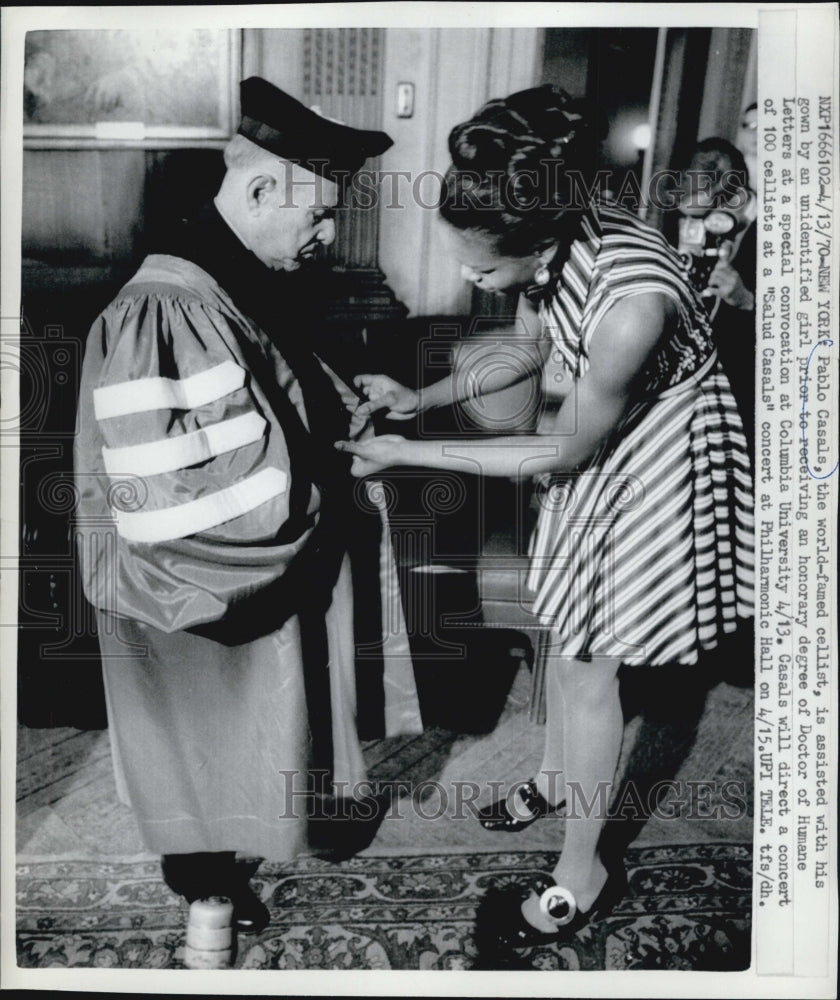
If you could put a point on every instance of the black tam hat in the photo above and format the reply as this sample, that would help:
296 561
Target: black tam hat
285 127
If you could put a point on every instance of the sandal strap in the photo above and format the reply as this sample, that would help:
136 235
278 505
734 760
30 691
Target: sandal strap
536 803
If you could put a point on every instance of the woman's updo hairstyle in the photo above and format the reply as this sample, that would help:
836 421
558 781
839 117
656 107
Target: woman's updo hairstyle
520 165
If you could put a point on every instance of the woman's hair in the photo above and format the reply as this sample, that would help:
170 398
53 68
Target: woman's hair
520 165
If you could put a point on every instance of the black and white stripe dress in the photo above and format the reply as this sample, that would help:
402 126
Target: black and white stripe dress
646 553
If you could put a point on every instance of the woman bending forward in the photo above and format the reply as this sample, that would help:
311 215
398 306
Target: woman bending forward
642 553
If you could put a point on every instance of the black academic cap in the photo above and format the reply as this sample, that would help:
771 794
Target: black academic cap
282 125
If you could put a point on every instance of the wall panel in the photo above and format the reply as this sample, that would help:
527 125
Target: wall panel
454 72
82 206
729 83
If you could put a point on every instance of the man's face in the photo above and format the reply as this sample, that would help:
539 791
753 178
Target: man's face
702 188
294 218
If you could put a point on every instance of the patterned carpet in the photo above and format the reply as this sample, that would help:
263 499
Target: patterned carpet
688 907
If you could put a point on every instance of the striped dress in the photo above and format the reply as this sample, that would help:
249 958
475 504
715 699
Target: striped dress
646 553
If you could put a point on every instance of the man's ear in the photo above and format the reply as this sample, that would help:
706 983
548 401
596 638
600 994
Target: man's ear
258 192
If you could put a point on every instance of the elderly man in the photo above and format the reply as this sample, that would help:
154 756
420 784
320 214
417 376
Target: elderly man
219 531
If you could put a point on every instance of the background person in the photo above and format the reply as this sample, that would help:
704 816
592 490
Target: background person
717 186
746 142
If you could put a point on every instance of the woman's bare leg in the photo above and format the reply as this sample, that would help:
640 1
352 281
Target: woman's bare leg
550 779
591 727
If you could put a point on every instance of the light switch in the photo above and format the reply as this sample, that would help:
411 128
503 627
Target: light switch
405 100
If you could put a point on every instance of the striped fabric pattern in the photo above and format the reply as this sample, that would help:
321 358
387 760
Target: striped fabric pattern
647 554
619 256
142 395
169 454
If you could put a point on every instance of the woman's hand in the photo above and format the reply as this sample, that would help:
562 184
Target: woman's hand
383 393
373 455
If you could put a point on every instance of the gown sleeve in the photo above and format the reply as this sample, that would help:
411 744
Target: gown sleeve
188 501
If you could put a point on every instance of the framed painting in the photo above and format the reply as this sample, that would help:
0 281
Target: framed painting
149 87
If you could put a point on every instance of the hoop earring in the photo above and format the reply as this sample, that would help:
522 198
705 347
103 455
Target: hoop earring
542 275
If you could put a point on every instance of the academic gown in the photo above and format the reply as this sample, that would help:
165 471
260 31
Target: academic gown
221 540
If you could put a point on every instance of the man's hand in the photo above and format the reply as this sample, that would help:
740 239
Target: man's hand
726 284
385 393
373 455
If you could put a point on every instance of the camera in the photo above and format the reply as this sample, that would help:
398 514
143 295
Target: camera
701 239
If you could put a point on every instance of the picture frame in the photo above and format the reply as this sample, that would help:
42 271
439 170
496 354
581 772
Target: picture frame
150 88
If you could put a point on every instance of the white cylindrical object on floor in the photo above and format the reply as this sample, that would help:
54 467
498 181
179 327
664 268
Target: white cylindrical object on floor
194 959
208 938
209 943
214 911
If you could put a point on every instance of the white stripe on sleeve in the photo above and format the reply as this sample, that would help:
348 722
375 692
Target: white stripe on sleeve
173 453
156 393
199 515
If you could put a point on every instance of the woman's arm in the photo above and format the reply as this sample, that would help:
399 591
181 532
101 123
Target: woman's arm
619 350
529 355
